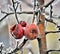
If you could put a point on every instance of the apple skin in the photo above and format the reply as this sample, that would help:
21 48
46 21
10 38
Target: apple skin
12 28
23 23
17 31
31 31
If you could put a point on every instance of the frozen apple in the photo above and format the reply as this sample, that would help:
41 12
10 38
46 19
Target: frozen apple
31 31
23 23
17 31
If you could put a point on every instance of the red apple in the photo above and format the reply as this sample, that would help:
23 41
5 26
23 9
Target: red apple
31 31
12 28
23 23
17 31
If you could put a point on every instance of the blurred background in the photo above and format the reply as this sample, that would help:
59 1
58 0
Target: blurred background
27 5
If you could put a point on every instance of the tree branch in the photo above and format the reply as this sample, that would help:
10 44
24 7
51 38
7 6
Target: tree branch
15 11
7 14
20 47
4 17
23 12
17 6
51 21
51 51
4 12
23 43
26 12
52 32
20 7
49 3
16 2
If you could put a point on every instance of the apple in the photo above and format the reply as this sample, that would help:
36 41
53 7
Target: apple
31 31
12 28
23 23
17 31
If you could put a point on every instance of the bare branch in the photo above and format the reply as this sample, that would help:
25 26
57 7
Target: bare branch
23 12
4 12
52 32
34 12
52 51
49 3
23 43
20 7
7 14
17 6
15 11
49 20
20 47
16 2
4 17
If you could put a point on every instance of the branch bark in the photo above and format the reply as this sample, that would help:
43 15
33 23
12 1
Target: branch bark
49 3
7 14
51 21
20 47
52 51
23 12
52 32
15 11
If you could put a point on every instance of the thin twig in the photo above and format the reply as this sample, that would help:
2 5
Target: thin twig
4 12
15 11
23 12
4 17
20 7
26 12
34 7
17 6
23 43
49 3
16 2
1 48
7 14
51 21
51 12
52 51
52 32
20 47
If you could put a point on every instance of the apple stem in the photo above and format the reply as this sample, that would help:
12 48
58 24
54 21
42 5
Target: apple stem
15 9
